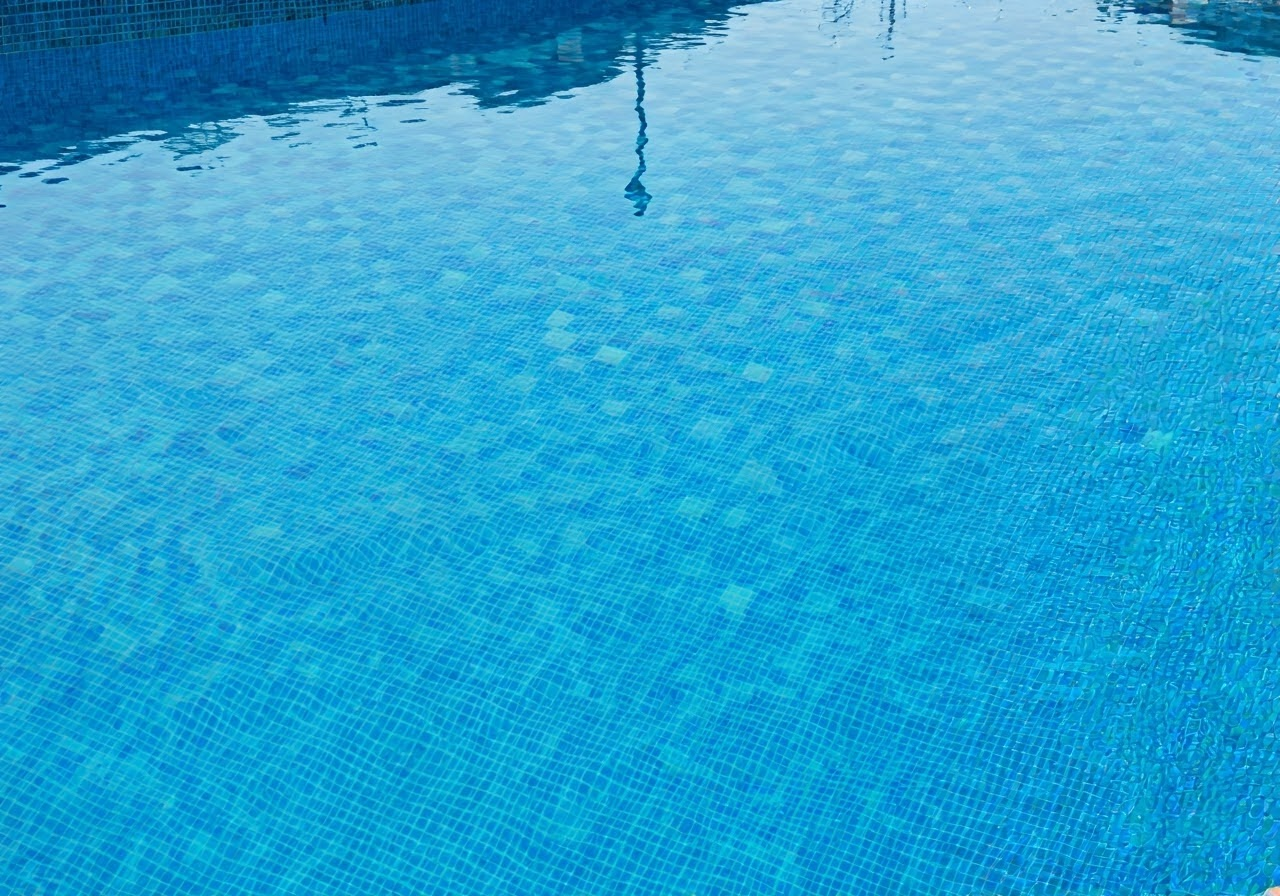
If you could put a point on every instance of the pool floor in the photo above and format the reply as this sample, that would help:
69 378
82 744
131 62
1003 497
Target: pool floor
788 449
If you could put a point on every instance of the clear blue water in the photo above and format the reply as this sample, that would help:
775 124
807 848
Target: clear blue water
891 507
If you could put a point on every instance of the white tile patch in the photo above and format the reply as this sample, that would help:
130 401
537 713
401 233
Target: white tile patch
569 362
161 283
757 373
711 428
453 278
560 340
610 355
21 565
759 476
559 320
615 408
239 279
735 599
571 284
694 508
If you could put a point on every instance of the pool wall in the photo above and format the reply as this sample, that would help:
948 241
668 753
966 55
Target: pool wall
49 24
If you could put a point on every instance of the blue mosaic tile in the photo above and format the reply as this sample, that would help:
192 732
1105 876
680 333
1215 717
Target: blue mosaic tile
32 25
891 507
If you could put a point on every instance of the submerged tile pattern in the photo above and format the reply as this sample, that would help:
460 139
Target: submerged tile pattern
892 508
29 25
73 103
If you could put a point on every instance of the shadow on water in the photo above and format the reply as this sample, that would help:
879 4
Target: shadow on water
1248 27
836 16
68 105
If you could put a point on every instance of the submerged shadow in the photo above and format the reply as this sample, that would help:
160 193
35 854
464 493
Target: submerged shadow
1248 27
70 104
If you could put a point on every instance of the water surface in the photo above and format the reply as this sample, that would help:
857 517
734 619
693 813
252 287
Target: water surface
781 449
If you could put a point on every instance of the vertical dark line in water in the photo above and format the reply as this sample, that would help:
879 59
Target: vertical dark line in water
635 191
893 18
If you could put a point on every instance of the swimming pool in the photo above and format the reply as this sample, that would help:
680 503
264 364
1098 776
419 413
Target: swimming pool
655 448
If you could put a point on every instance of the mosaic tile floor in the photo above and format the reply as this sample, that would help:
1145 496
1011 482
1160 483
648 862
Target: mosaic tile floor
890 508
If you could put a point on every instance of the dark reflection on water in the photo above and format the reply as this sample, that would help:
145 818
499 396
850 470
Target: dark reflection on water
1250 27
836 15
635 191
67 105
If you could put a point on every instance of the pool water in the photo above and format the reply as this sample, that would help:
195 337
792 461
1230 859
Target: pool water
648 449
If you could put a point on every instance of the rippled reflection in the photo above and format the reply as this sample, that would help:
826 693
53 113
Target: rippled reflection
635 191
65 105
1251 27
837 15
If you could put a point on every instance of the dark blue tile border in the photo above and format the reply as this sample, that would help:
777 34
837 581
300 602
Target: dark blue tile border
27 25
